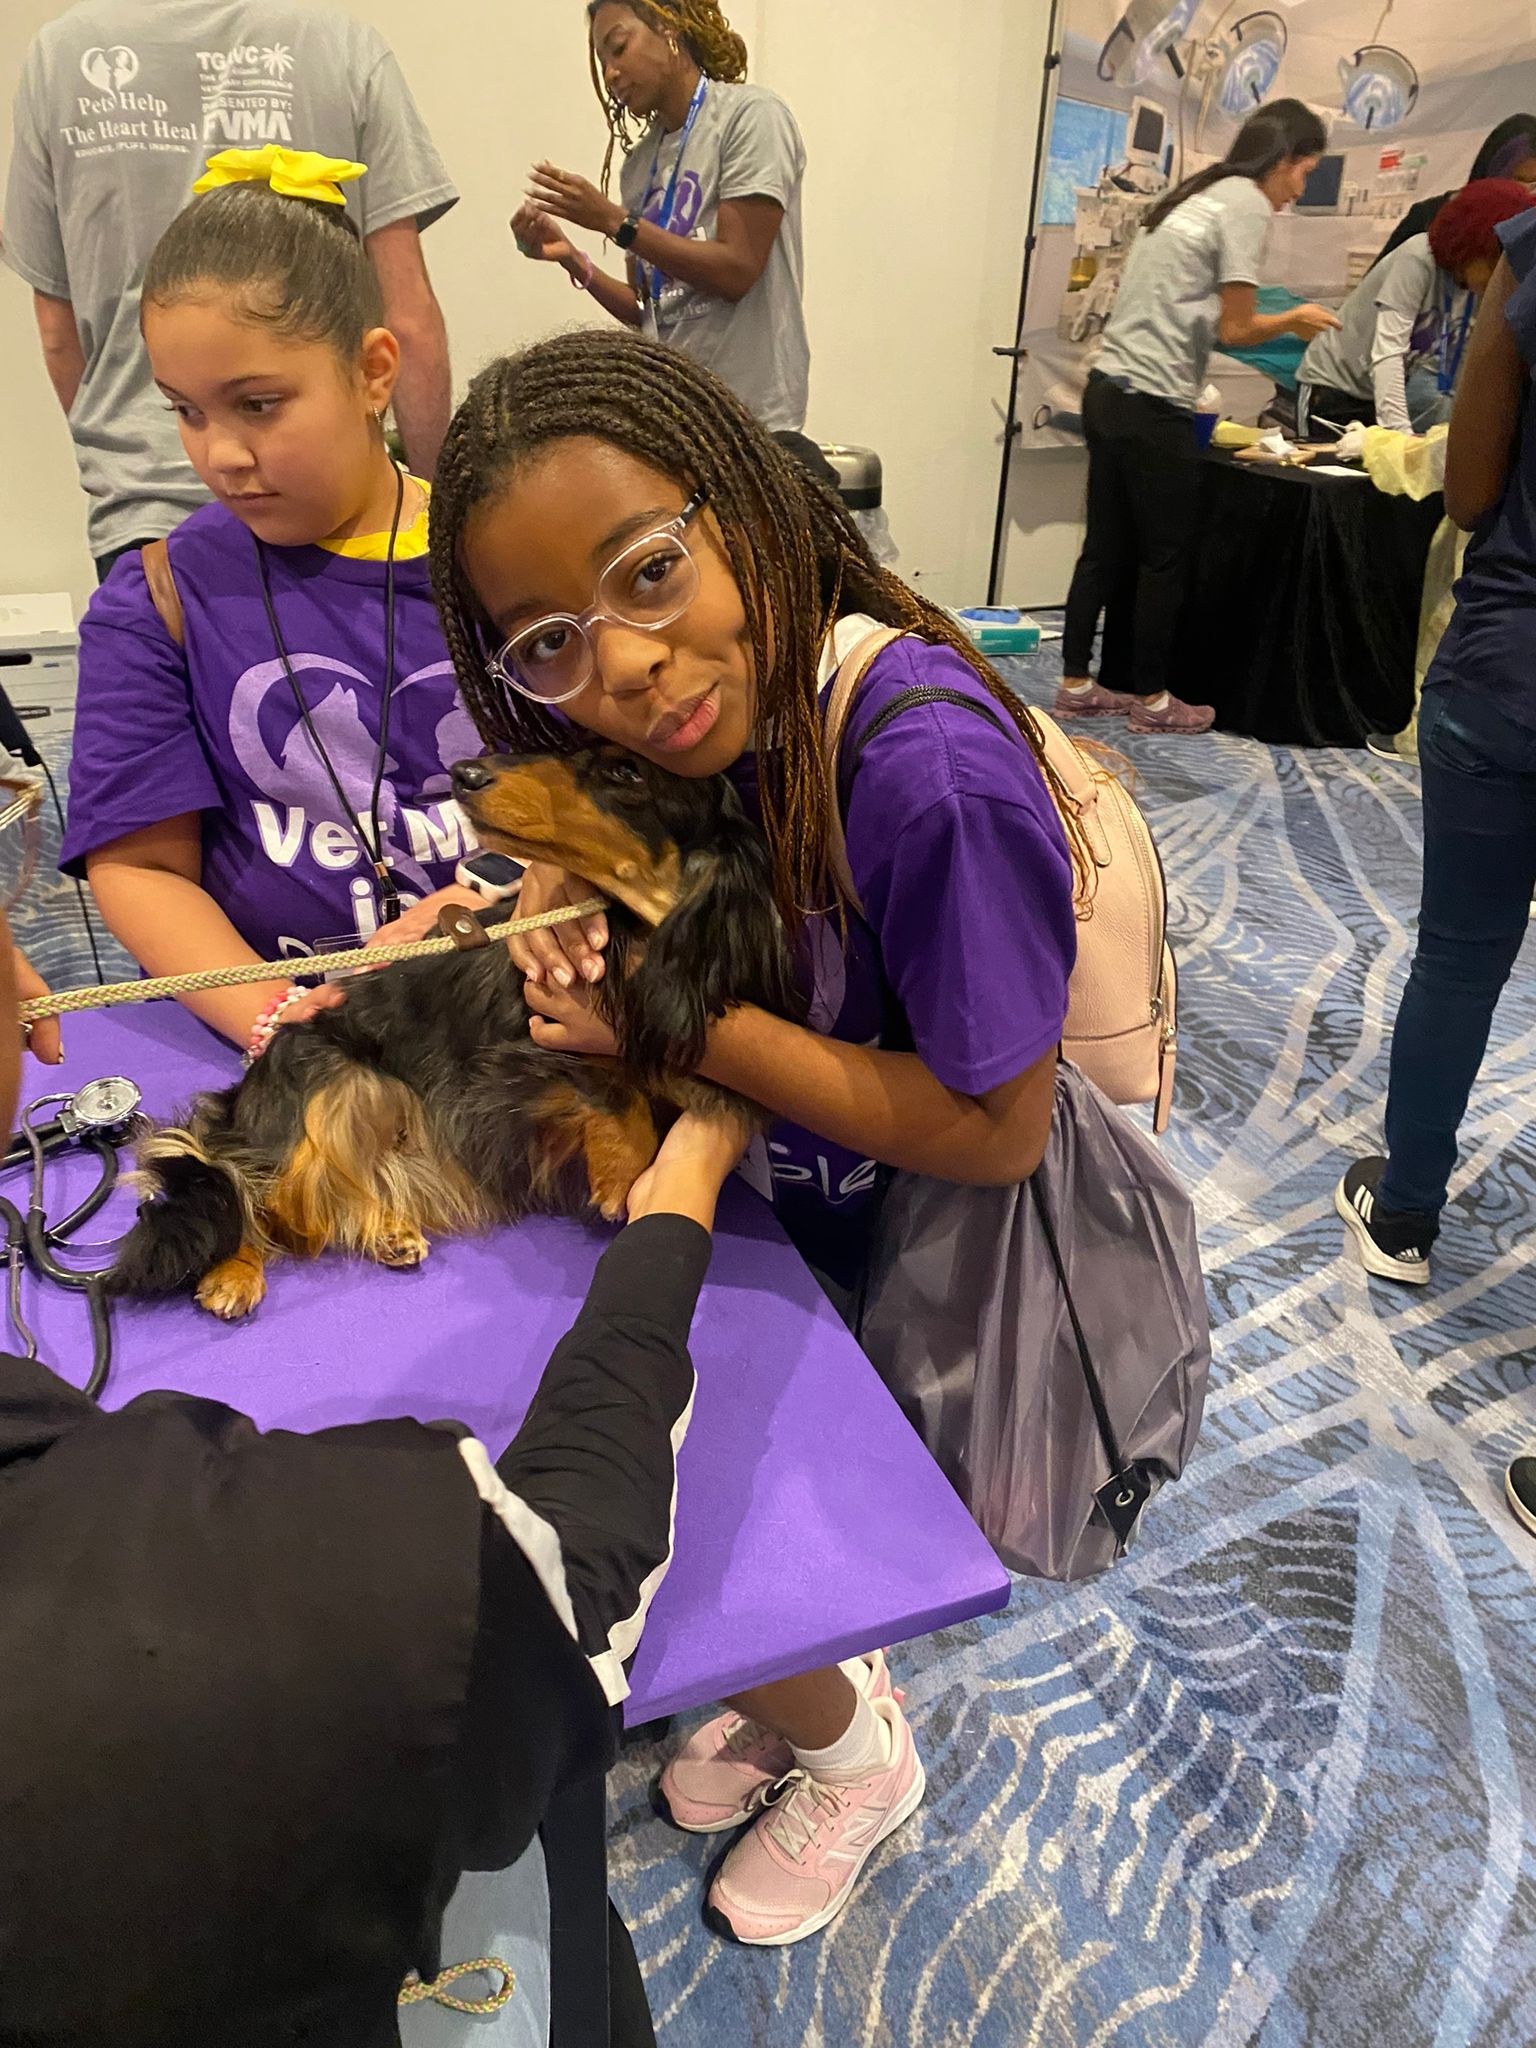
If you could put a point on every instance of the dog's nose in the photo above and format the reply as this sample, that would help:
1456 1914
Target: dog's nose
471 775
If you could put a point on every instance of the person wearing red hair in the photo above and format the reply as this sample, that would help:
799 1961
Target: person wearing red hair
1413 309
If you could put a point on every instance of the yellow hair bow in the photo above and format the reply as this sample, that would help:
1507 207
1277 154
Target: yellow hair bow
293 173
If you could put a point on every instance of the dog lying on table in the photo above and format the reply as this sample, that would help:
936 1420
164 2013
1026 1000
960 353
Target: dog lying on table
422 1107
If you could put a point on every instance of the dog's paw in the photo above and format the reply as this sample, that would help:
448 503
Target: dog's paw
233 1288
612 1201
399 1248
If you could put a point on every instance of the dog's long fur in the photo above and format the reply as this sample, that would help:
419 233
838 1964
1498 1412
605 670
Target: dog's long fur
422 1106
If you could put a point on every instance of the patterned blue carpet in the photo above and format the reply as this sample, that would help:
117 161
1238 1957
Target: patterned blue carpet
1272 1781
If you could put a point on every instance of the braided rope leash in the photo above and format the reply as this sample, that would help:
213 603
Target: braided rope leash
66 1001
414 1992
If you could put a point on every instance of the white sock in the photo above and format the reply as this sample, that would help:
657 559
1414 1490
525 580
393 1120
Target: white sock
860 1674
1158 703
1078 689
867 1747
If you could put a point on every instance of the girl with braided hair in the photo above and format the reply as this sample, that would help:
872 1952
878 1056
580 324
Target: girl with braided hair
709 217
618 548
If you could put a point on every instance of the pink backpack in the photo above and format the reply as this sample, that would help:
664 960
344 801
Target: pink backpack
1122 1012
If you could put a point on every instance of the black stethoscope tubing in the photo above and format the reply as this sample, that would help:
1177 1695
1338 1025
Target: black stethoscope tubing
386 894
31 1240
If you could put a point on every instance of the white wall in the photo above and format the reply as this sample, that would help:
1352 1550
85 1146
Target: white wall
920 134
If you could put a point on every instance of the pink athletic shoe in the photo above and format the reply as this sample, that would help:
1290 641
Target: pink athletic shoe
719 1777
794 1869
1175 716
1094 702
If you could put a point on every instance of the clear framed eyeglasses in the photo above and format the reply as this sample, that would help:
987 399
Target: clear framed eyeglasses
21 831
648 584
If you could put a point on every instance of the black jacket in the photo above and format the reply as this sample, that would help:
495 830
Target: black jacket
267 1696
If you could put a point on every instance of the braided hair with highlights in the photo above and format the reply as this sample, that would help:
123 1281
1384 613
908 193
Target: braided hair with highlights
798 559
704 33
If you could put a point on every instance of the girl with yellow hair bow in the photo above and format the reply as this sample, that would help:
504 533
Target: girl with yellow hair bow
267 712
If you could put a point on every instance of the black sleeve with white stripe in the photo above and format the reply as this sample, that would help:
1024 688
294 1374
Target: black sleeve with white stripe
588 1485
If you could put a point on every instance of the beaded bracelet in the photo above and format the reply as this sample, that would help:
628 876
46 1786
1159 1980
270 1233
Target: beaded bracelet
264 1030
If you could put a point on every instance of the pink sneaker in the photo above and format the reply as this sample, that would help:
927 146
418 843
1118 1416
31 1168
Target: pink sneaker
1175 716
1094 702
719 1777
794 1870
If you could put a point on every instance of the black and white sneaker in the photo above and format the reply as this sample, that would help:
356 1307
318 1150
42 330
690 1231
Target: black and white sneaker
1393 1244
1520 1490
1384 746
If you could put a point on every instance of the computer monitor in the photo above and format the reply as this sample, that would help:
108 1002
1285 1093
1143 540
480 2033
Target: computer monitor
1146 135
1321 192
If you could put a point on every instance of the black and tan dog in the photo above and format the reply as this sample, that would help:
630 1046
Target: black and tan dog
422 1107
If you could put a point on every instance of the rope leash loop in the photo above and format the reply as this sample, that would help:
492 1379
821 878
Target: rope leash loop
414 1992
65 1002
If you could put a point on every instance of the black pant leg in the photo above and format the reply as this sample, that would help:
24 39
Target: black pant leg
629 2014
1163 470
1108 543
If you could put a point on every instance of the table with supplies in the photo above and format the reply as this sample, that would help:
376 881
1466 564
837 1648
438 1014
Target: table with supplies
1301 620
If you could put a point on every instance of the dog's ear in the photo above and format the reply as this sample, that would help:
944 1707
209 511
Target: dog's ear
722 944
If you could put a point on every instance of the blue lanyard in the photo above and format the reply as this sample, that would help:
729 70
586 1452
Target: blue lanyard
652 278
1450 361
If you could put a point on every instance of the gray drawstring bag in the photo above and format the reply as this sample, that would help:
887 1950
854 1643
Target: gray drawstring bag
1048 1342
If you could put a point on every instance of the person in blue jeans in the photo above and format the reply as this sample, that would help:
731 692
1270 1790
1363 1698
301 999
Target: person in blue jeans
1477 748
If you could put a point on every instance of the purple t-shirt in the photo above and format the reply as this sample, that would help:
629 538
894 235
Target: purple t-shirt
962 865
161 730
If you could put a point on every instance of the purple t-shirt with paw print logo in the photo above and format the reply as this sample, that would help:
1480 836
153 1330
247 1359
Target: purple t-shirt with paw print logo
213 727
962 866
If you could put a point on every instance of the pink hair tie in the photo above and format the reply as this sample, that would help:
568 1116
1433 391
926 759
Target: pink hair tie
584 282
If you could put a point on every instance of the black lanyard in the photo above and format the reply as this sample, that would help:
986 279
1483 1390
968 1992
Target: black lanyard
386 895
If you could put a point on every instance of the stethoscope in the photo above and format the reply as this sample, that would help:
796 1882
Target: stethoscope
386 894
97 1117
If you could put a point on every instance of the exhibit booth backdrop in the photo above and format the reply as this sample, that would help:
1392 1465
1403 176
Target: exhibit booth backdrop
920 139
1409 89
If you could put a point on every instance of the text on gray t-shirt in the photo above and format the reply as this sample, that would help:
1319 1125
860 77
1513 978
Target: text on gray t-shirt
121 102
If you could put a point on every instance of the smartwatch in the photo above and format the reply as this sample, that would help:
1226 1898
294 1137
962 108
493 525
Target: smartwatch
625 233
493 876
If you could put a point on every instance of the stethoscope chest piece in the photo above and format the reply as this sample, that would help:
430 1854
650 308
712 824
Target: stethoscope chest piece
108 1105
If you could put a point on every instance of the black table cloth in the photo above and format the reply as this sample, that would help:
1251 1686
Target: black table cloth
1302 616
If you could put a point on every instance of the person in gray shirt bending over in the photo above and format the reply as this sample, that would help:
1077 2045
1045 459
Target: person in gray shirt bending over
1190 282
710 215
120 102
1412 310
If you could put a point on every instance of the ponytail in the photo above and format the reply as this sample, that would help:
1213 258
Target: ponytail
1275 135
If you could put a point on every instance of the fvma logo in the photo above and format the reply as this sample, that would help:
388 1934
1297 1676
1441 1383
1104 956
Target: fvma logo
110 70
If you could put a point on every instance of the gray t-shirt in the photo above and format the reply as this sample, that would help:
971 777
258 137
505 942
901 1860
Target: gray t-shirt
744 145
1163 328
120 104
1389 325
